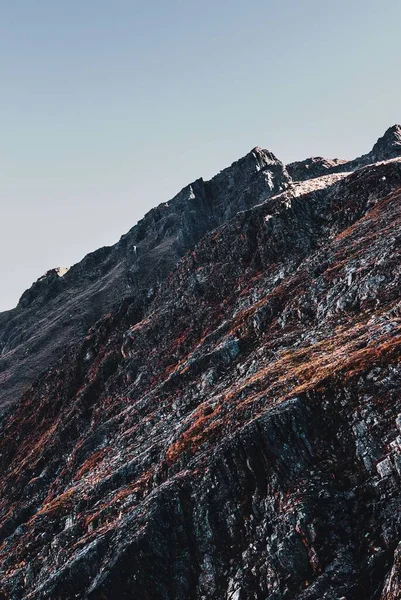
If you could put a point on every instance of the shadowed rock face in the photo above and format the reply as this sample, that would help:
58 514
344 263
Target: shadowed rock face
237 436
58 310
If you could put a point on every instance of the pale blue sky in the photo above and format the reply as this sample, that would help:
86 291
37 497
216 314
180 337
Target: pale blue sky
110 107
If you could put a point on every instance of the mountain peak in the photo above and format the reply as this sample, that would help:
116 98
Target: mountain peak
256 159
266 155
394 132
389 145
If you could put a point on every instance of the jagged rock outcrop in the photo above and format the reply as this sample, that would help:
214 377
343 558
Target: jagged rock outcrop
44 289
57 311
386 148
239 437
316 166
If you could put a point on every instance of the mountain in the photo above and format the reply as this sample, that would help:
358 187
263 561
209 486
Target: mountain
386 148
235 431
60 307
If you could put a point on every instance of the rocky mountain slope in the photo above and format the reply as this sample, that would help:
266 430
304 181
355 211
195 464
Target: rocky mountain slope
238 435
58 310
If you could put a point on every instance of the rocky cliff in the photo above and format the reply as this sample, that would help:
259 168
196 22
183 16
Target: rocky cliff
238 435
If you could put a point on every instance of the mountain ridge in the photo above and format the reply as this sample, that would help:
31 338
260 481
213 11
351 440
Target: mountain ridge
55 312
387 147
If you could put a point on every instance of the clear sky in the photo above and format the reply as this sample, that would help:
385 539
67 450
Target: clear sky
110 107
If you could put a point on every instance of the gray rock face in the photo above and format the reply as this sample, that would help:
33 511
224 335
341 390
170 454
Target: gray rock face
57 311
